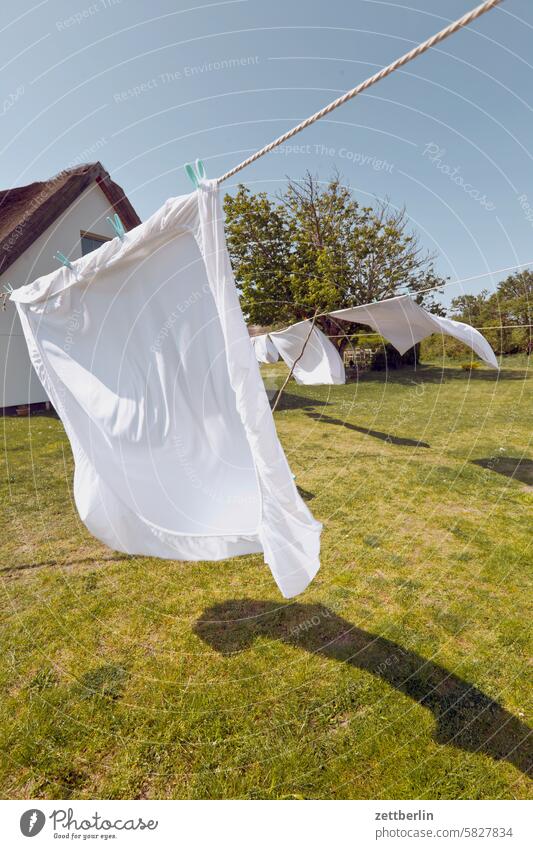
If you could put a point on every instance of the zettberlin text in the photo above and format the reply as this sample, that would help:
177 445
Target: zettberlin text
403 815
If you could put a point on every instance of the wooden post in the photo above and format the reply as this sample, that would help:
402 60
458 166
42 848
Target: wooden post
298 358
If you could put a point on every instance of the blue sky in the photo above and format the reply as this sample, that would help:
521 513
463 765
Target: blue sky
145 87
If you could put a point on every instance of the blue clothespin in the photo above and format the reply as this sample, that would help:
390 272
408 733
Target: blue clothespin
63 259
117 226
195 172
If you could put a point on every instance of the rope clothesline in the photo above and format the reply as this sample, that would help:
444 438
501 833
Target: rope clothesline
411 291
372 333
467 279
375 78
460 280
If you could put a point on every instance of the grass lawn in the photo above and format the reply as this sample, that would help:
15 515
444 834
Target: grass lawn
402 672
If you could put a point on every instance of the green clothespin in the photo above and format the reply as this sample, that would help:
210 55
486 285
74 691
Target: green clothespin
191 173
117 226
64 260
195 172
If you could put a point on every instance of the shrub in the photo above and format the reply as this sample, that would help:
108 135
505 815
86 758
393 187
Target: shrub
387 357
471 366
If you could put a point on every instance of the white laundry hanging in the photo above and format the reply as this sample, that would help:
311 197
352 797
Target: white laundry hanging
320 362
145 355
404 323
264 348
400 320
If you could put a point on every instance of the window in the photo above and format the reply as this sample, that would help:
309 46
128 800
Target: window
91 241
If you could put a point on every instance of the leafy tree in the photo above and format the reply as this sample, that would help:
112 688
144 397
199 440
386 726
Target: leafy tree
315 247
259 244
471 308
509 306
515 297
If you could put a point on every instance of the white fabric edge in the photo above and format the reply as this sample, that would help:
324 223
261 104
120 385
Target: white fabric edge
287 534
335 365
264 348
434 324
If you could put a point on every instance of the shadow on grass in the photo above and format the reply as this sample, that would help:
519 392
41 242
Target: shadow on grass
377 434
465 717
434 374
297 402
517 468
104 681
8 570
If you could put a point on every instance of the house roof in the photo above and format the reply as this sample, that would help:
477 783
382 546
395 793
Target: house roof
256 330
27 211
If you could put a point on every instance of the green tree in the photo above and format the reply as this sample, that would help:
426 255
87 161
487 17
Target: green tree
515 297
499 313
474 309
259 244
315 247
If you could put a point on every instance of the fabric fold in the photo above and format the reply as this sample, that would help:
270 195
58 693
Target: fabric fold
143 350
320 362
403 322
264 349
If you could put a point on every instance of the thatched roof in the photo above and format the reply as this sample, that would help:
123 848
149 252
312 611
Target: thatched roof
27 211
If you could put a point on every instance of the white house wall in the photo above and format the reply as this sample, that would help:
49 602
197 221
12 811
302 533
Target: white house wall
18 382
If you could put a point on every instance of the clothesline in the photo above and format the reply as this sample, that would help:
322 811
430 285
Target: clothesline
468 279
375 78
313 358
460 279
454 282
487 327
